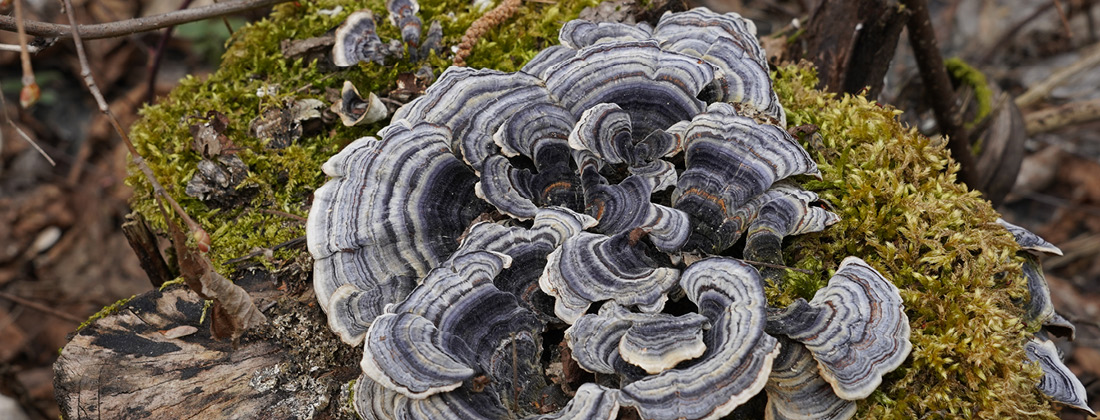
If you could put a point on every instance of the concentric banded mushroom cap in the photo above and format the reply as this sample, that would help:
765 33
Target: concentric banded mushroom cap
393 210
354 110
654 342
855 327
738 353
499 208
1029 241
590 268
730 159
797 391
357 40
1058 382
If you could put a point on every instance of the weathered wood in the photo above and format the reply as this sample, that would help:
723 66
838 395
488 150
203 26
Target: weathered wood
851 43
144 243
128 365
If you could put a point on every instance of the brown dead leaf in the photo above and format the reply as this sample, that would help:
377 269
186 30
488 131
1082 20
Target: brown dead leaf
208 138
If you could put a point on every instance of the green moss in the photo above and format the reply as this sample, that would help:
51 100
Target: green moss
108 310
902 211
253 61
970 76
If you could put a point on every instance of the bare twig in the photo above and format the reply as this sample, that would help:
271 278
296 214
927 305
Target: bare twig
1008 34
144 24
1053 118
154 61
23 134
1062 16
770 265
938 87
41 308
30 92
33 49
1034 94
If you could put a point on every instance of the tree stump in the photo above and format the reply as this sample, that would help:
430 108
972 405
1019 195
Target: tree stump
131 364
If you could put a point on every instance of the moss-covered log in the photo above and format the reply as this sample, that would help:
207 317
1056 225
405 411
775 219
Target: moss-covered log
895 191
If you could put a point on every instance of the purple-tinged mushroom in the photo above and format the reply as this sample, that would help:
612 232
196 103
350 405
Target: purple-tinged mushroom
738 356
1058 382
590 268
797 391
855 327
354 110
357 41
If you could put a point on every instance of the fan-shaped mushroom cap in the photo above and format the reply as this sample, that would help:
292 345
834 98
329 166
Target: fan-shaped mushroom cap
797 391
658 342
478 325
785 212
1039 307
357 40
1028 240
730 159
577 34
591 268
353 110
625 206
738 357
729 42
375 402
1058 382
528 249
372 233
855 327
591 402
655 342
656 88
407 354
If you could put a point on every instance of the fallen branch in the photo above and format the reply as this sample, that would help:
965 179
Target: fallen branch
1036 93
1053 118
938 86
143 24
40 307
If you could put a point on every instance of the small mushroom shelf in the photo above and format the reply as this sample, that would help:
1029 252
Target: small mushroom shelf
558 242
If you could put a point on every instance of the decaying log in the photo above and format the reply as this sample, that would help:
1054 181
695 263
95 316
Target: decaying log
133 364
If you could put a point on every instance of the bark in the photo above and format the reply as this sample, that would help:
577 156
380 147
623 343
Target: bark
131 364
851 43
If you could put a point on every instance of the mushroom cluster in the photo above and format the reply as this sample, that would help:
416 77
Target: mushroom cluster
1058 382
559 242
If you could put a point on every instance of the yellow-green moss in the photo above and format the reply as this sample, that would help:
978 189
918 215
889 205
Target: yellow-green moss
895 191
286 178
108 310
974 78
902 211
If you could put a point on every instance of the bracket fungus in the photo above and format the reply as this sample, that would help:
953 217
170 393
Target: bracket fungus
501 214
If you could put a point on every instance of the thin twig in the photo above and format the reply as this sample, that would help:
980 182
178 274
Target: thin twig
143 24
33 49
1053 118
1034 94
41 308
154 61
939 89
23 134
24 53
770 265
1007 35
291 216
1062 16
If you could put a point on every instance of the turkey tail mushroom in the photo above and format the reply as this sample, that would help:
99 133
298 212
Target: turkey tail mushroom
855 327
